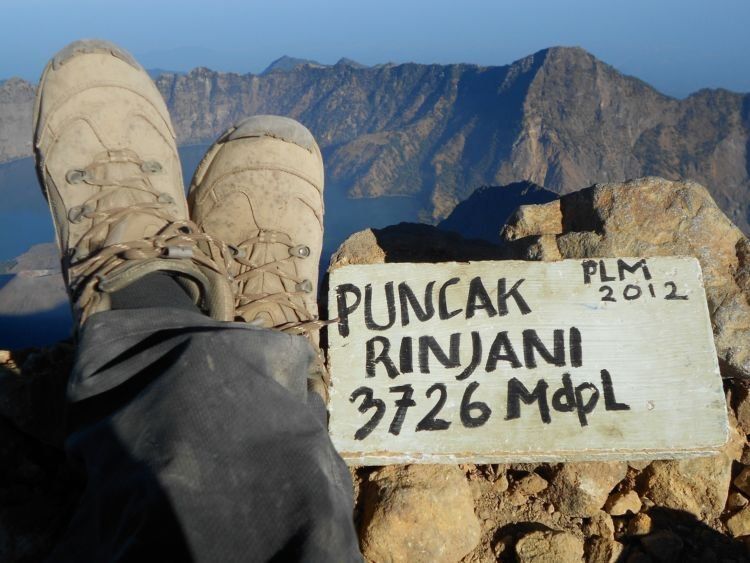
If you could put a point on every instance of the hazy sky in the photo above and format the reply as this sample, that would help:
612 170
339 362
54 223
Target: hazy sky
678 46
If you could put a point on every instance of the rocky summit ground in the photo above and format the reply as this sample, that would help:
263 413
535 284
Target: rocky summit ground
687 510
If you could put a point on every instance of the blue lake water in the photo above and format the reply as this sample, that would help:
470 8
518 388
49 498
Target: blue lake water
21 229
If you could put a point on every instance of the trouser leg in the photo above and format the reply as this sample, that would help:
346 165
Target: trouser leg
197 441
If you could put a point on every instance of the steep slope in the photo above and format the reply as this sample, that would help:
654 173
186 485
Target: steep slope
584 122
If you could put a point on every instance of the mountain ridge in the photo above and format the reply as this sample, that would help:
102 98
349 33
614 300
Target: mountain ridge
285 63
560 118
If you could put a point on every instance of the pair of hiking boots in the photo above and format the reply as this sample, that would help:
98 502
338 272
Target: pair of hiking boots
246 246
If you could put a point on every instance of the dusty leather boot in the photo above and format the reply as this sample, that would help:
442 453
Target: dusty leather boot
108 165
259 188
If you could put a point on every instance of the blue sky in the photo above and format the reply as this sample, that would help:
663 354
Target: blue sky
678 46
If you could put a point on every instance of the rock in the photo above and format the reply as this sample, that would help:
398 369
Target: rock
739 524
409 242
501 483
699 486
418 513
549 547
640 525
647 503
662 545
742 481
600 524
581 489
619 504
735 446
603 550
360 248
517 498
530 485
654 217
534 220
736 500
524 467
639 465
741 400
537 248
745 457
484 213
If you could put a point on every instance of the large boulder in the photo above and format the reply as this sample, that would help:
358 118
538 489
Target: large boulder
418 513
697 486
650 217
549 547
581 489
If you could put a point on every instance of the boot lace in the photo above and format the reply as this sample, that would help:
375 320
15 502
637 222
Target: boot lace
90 262
248 302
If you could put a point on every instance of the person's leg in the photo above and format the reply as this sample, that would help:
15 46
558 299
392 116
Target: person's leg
198 448
260 189
194 434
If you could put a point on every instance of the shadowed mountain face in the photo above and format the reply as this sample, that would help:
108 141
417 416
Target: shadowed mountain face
485 212
559 118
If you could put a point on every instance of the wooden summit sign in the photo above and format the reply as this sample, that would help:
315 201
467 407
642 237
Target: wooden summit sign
523 361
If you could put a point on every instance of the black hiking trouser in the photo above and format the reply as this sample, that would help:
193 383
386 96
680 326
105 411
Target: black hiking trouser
199 442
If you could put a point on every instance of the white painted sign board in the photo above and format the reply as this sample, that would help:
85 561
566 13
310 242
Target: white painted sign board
515 361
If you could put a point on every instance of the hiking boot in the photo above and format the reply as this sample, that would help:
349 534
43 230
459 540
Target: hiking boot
108 165
260 189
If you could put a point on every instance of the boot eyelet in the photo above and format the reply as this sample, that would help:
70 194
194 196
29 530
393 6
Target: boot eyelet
185 230
236 251
75 176
151 167
300 251
76 214
304 285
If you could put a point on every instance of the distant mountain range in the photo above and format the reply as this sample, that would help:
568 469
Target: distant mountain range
286 64
559 118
